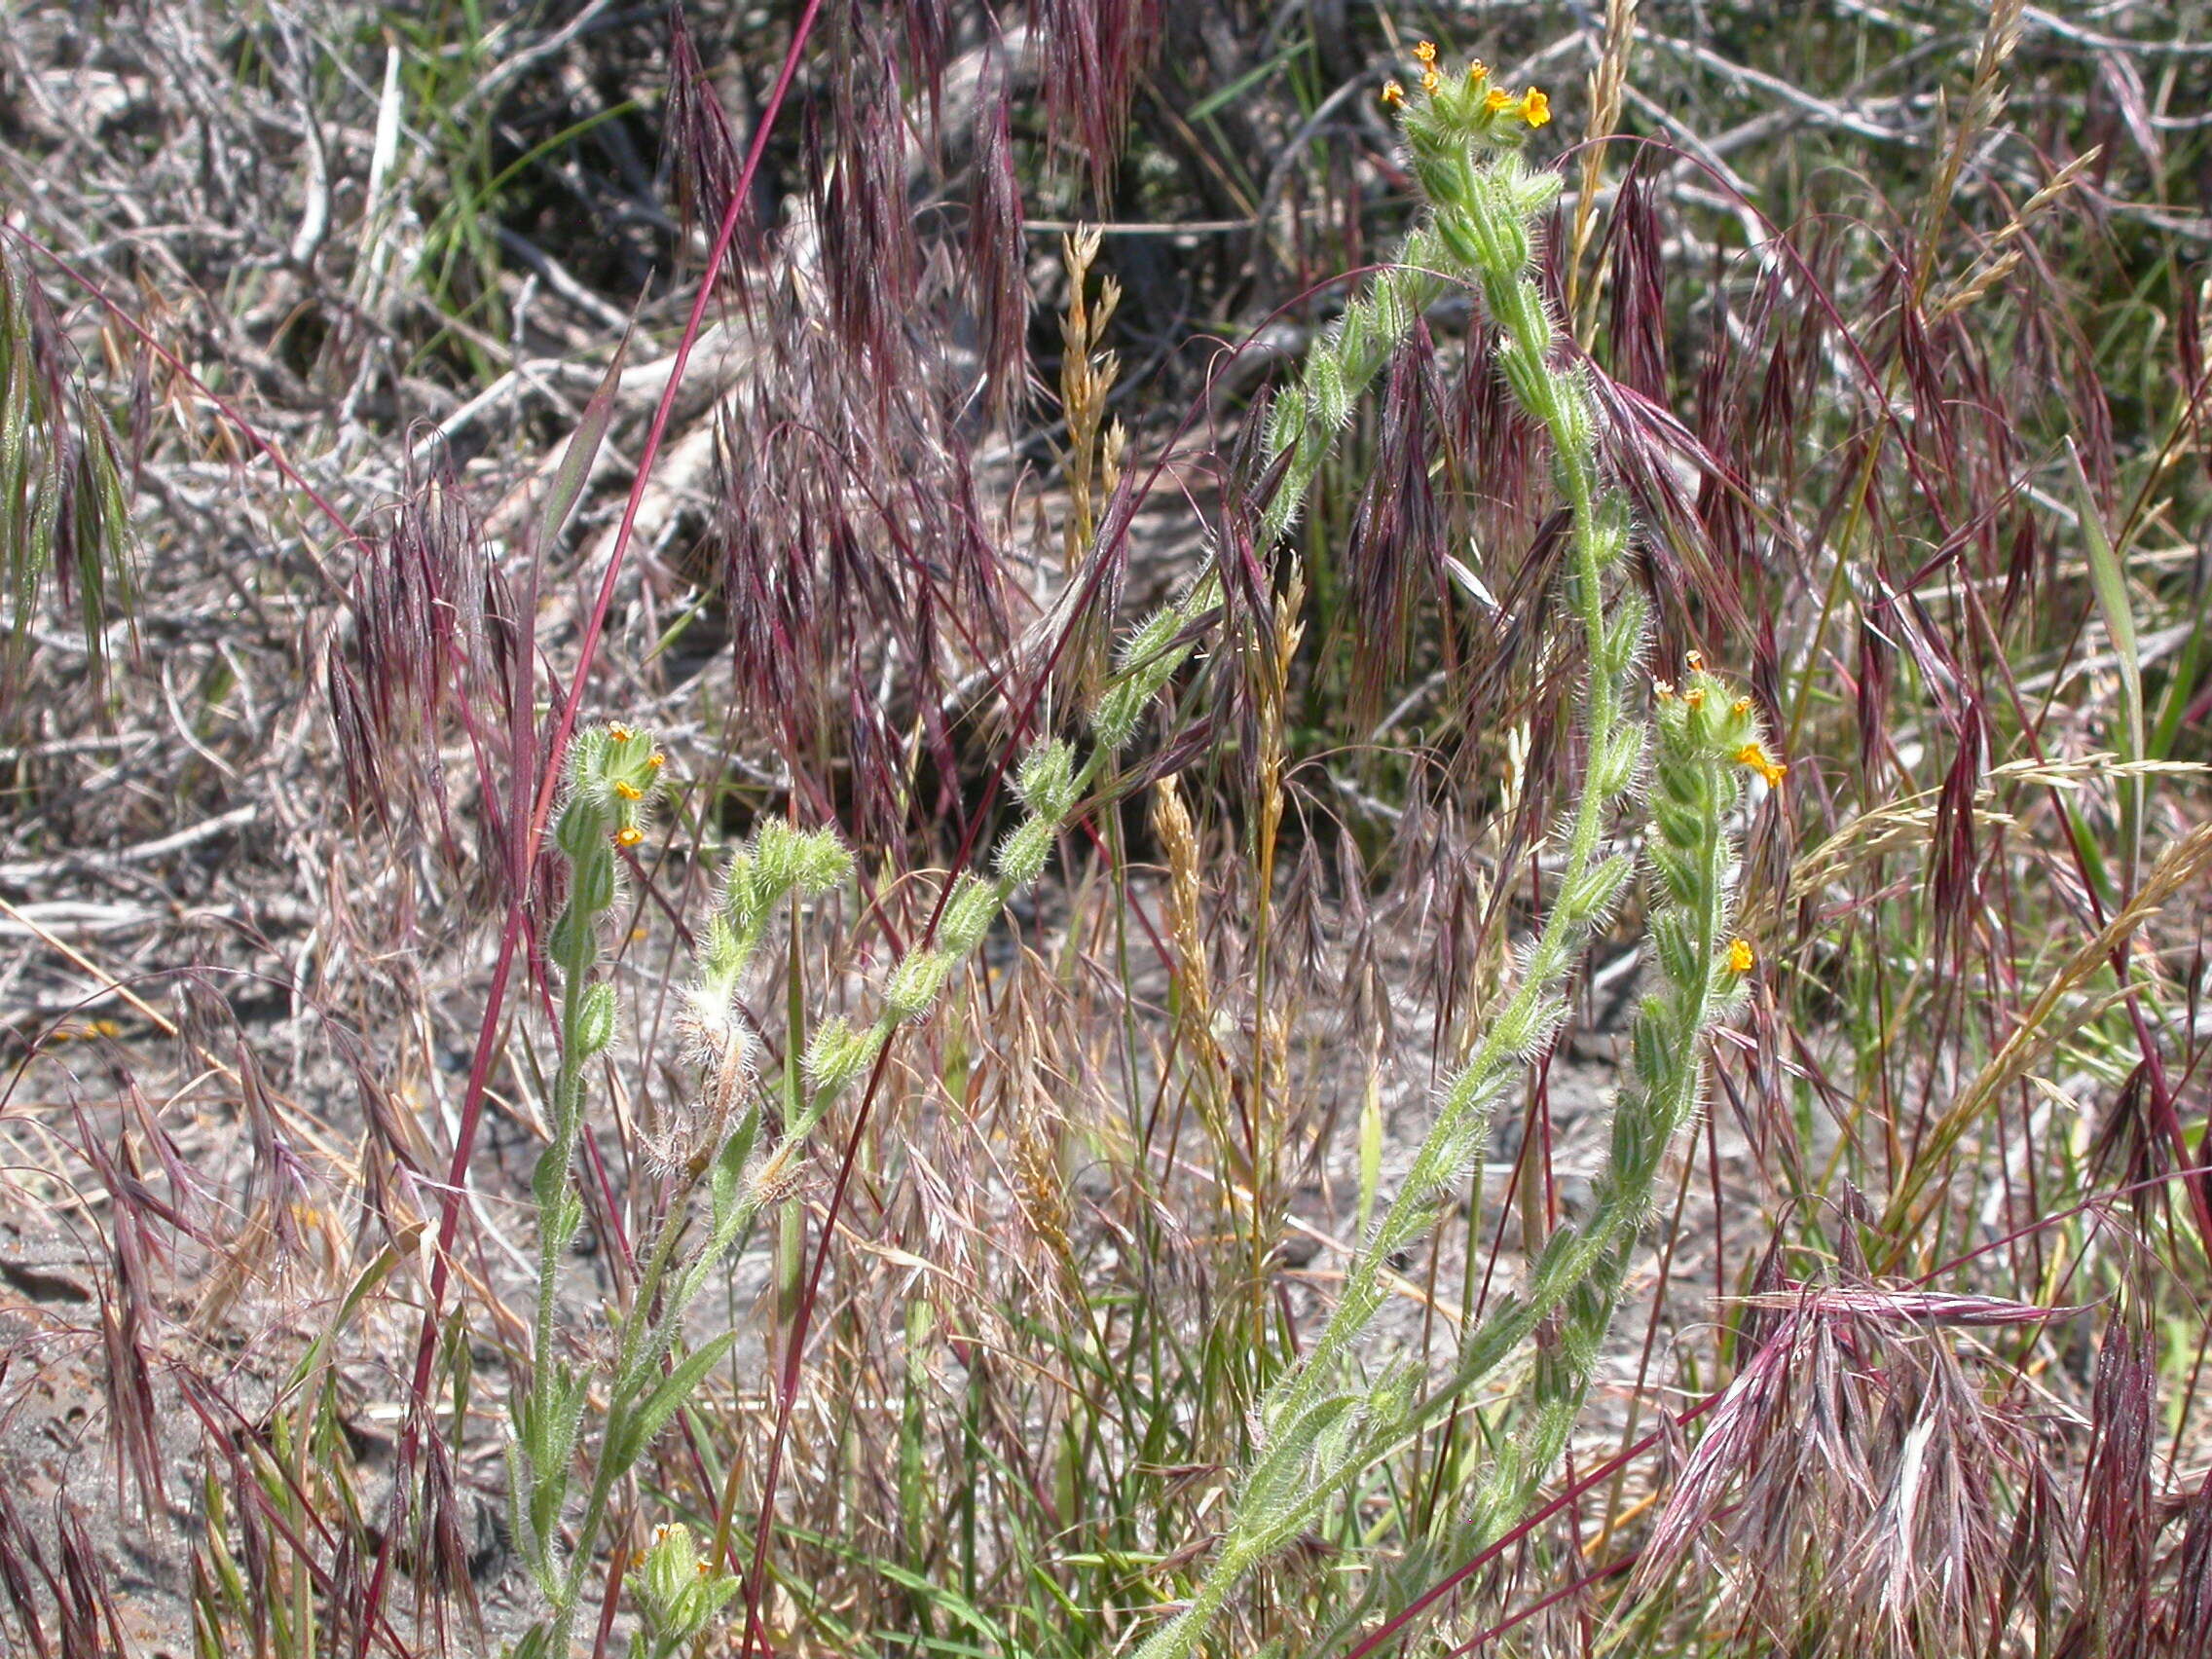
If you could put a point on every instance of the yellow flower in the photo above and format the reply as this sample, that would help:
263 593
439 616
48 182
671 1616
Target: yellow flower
657 760
1761 762
628 791
1497 100
629 835
617 731
1693 698
1430 80
1741 958
1477 70
1394 94
1663 689
1425 52
1741 706
1696 660
1536 108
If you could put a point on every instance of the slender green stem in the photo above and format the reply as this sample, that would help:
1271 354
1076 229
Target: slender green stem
568 1118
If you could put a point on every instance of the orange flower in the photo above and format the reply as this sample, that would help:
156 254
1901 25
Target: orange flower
1761 762
657 760
1497 100
628 791
1430 80
1394 94
629 835
1425 52
1741 958
1536 108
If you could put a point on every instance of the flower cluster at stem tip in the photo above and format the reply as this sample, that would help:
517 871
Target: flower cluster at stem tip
612 773
1703 714
1740 730
1468 103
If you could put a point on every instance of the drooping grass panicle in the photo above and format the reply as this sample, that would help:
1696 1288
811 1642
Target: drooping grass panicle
64 512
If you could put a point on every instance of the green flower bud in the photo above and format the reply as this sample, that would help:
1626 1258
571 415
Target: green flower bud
1612 767
1046 781
1022 853
1441 178
778 855
1505 233
1463 245
913 987
1623 638
1672 945
1519 311
1591 899
967 914
822 863
1116 721
1530 190
1526 375
1393 308
1331 398
595 1020
741 900
720 954
1573 426
837 1053
679 1591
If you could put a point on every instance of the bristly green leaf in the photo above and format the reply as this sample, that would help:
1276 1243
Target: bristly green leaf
626 1444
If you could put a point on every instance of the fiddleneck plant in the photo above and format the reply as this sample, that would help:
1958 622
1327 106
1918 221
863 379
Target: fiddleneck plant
1317 1430
613 775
